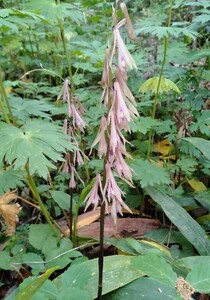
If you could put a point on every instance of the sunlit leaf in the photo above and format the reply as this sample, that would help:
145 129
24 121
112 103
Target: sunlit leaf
197 185
34 285
153 85
164 147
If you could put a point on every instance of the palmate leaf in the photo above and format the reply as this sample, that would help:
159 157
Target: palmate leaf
10 179
149 173
144 124
36 143
161 32
25 108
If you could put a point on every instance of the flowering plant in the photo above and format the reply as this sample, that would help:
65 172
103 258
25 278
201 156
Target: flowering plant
121 108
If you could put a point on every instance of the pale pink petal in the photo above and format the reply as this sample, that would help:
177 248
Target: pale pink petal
122 167
124 56
100 138
93 196
72 182
78 122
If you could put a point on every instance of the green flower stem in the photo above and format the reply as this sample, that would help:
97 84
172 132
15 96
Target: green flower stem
156 99
36 194
4 95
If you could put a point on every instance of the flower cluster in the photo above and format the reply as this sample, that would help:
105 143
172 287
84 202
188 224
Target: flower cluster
73 123
121 109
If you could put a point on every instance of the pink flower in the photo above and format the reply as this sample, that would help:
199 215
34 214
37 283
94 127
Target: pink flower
124 56
78 158
127 95
72 183
114 193
121 108
93 196
104 80
78 122
122 167
66 163
100 138
64 93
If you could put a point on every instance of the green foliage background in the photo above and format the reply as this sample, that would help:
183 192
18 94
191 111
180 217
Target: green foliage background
33 65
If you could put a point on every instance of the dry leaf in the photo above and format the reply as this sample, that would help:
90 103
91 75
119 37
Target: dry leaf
9 211
164 147
197 185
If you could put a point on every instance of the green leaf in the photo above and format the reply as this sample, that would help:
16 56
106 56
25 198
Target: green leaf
61 198
199 278
152 85
144 124
179 217
22 109
78 293
6 261
144 288
191 261
34 261
38 235
56 252
118 271
47 291
201 144
10 179
161 31
36 143
156 267
149 173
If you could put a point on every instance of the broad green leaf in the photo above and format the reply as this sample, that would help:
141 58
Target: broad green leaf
156 267
34 261
47 291
6 261
199 277
61 198
204 199
36 143
191 261
38 235
118 271
78 293
185 223
56 252
144 288
34 285
134 247
201 144
149 174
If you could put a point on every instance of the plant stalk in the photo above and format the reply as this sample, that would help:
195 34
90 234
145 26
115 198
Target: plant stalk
4 96
156 99
36 194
